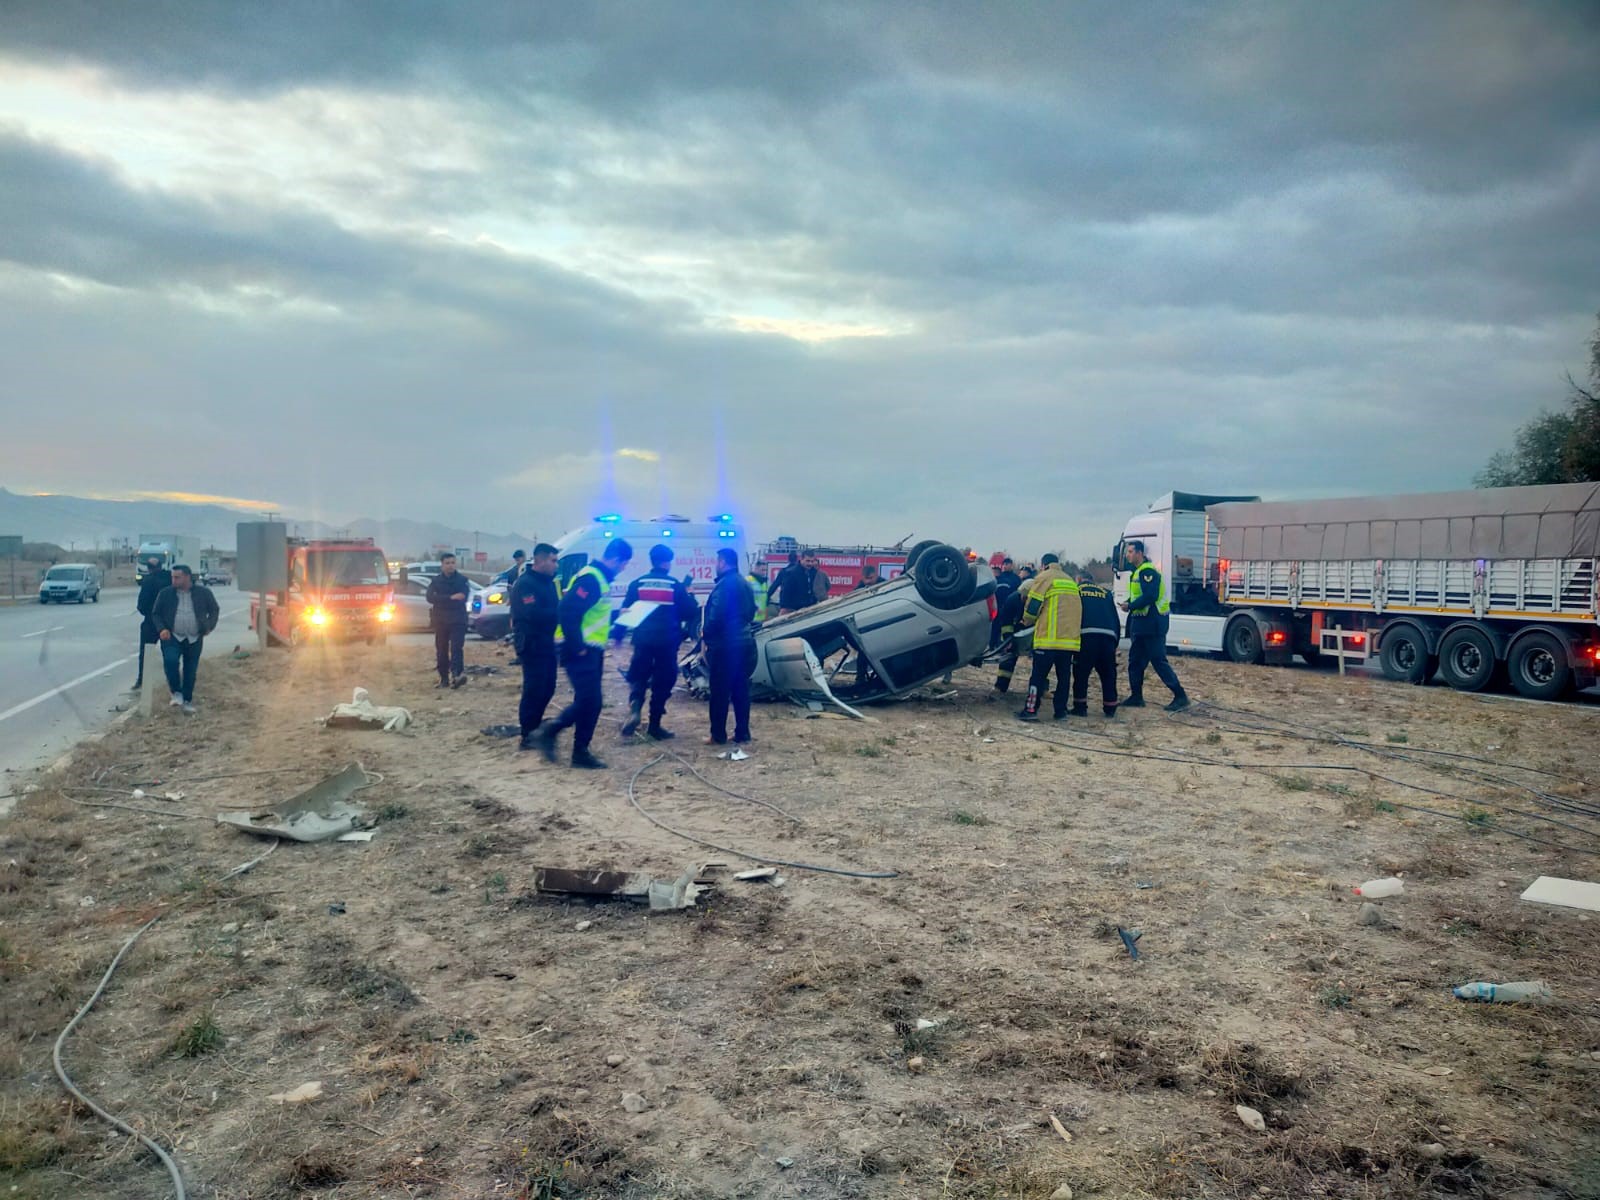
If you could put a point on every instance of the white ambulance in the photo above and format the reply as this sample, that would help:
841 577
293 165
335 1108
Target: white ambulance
694 548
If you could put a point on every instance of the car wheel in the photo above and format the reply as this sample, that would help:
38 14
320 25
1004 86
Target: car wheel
95 597
44 600
1539 667
919 550
944 577
1467 660
1242 640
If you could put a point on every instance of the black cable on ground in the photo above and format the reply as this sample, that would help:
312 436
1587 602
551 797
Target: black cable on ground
695 771
1200 761
105 980
633 799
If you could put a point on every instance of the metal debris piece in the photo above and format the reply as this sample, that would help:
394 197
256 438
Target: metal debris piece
759 875
322 811
501 731
659 894
1569 893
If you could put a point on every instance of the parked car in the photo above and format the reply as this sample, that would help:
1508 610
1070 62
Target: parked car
489 612
880 642
76 582
411 614
216 579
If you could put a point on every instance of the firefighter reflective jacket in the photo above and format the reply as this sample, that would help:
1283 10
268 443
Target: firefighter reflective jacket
1054 610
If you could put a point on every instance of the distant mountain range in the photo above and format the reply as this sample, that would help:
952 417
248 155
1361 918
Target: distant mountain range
70 521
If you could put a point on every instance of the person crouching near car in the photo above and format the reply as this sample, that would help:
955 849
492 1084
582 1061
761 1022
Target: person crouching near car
183 613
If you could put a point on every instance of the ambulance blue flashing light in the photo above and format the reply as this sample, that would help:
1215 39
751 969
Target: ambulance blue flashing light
723 518
666 533
727 533
609 518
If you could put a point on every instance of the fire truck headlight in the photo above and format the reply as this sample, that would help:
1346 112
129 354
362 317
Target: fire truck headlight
317 617
386 613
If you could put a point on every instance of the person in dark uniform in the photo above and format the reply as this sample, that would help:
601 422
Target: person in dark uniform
447 599
510 574
535 604
585 628
1008 616
1147 610
1097 651
156 580
654 666
730 649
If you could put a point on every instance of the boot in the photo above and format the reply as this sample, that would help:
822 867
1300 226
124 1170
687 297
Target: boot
543 740
1079 710
583 760
631 725
1133 702
1030 710
1110 711
659 734
1179 703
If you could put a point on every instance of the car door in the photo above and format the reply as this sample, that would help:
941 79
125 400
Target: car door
411 613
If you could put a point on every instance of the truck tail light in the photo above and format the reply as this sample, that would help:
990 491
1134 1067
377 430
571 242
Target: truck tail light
1276 637
1360 639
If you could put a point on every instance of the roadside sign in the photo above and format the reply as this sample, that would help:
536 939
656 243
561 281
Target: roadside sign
263 556
10 545
481 556
462 552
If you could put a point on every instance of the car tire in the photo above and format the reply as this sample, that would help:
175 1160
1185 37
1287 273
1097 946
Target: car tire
44 599
1241 640
919 550
1539 668
1466 658
944 578
95 598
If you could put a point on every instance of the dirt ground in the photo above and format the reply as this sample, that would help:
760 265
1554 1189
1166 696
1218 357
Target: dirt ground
475 1040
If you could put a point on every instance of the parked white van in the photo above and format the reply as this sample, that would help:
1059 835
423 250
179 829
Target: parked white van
694 547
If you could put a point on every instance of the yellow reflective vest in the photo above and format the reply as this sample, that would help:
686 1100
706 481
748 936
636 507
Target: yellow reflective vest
1054 610
597 618
758 586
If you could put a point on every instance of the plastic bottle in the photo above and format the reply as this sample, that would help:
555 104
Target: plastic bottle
1377 889
1530 991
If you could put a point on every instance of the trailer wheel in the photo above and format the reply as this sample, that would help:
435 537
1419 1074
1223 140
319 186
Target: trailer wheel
919 549
1242 640
1404 656
944 578
1539 668
1467 660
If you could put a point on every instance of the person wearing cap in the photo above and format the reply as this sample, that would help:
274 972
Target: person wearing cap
1097 652
535 605
585 629
654 666
509 575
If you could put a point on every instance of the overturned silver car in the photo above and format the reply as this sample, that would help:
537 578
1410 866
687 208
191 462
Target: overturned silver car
879 642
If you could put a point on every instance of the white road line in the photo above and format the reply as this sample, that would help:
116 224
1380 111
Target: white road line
56 691
42 632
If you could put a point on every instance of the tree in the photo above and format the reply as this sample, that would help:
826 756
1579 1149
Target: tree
1555 447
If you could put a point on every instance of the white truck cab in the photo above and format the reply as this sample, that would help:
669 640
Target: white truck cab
694 547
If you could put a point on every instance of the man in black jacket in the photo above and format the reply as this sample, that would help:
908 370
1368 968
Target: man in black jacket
654 666
1098 653
156 579
183 614
730 649
447 599
535 602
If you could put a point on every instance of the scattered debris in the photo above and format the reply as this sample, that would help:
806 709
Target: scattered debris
320 812
1061 1193
1378 889
634 1102
1568 893
1431 1150
480 669
501 731
1370 914
336 909
923 1024
1144 885
1250 1117
582 925
362 713
915 1064
358 835
615 1060
1055 1123
1130 939
1530 991
659 894
300 1095
1438 1072
734 755
784 1163
759 875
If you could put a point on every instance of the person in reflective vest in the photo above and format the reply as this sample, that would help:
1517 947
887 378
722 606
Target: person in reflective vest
1147 610
758 588
585 628
1008 615
1055 612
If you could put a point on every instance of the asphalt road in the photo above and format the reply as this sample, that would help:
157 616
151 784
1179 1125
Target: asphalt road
65 670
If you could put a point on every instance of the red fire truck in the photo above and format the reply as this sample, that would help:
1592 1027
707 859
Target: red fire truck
842 564
338 590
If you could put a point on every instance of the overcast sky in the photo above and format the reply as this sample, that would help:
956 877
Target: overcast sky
997 273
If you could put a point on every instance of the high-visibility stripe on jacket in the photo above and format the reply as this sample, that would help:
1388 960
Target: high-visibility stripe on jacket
758 586
1145 580
1054 610
597 618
